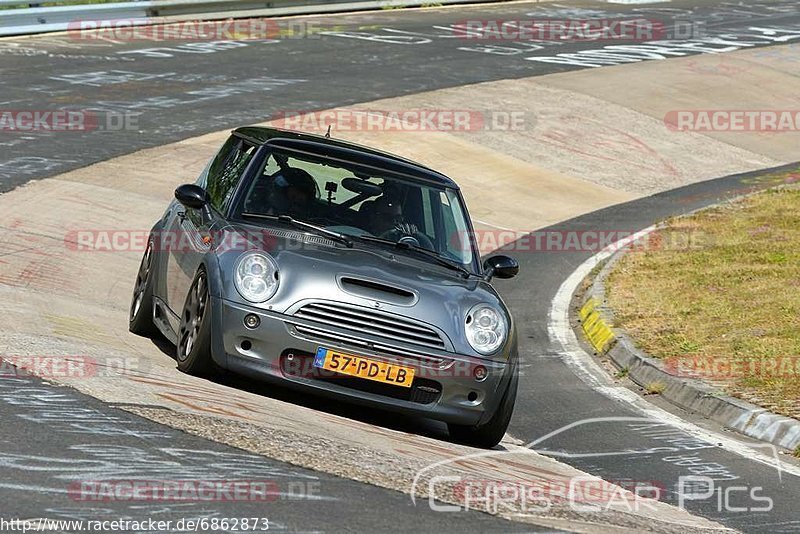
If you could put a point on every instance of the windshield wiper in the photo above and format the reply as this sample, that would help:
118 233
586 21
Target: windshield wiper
302 225
424 251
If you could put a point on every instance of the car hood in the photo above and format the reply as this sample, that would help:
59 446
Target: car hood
312 267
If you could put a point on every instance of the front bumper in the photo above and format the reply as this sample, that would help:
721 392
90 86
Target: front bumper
444 386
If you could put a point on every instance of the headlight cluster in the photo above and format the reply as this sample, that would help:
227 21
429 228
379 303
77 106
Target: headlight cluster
486 329
256 276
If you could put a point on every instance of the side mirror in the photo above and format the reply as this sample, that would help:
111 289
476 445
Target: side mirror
501 267
192 196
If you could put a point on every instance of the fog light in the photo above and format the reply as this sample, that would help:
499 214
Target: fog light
480 373
251 321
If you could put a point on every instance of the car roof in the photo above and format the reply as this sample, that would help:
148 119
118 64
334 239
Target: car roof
343 150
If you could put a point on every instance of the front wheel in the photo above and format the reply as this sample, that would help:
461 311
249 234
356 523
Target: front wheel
140 318
490 433
194 334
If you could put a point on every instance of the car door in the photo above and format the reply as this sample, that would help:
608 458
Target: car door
191 229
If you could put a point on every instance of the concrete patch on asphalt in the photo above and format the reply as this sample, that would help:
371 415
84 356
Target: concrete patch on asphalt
747 80
571 127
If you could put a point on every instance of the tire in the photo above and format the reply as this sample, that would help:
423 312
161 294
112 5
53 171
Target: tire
194 333
490 433
140 316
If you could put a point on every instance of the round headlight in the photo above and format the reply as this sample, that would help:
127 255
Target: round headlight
486 329
256 276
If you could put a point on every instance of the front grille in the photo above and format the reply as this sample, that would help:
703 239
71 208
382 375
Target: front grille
403 356
368 321
301 365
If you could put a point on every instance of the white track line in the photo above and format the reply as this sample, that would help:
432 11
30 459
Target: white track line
582 364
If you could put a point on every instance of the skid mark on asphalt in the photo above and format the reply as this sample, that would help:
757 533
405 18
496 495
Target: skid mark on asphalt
598 140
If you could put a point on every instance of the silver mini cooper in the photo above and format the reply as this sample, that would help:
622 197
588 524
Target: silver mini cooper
335 269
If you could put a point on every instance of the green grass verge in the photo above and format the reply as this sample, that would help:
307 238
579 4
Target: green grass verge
718 295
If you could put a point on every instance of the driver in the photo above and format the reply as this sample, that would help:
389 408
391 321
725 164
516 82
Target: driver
293 192
386 216
388 222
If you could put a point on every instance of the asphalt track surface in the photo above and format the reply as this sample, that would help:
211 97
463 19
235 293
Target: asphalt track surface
181 94
58 443
174 90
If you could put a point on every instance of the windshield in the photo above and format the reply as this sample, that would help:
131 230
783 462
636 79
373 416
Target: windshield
360 202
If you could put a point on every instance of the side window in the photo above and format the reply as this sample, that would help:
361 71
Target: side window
227 169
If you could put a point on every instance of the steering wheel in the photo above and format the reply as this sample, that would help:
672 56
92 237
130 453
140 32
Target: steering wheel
417 239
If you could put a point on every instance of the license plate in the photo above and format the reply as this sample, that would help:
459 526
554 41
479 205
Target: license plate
361 367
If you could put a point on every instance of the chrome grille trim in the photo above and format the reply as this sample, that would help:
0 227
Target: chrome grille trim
413 357
379 324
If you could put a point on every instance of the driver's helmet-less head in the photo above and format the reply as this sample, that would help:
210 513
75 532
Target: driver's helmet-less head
293 190
386 215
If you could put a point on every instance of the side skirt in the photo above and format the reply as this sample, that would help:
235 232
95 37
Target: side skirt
162 318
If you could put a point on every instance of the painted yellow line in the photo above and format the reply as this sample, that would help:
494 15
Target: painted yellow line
597 331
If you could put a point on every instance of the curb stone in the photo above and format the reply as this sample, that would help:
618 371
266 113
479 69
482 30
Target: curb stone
692 395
